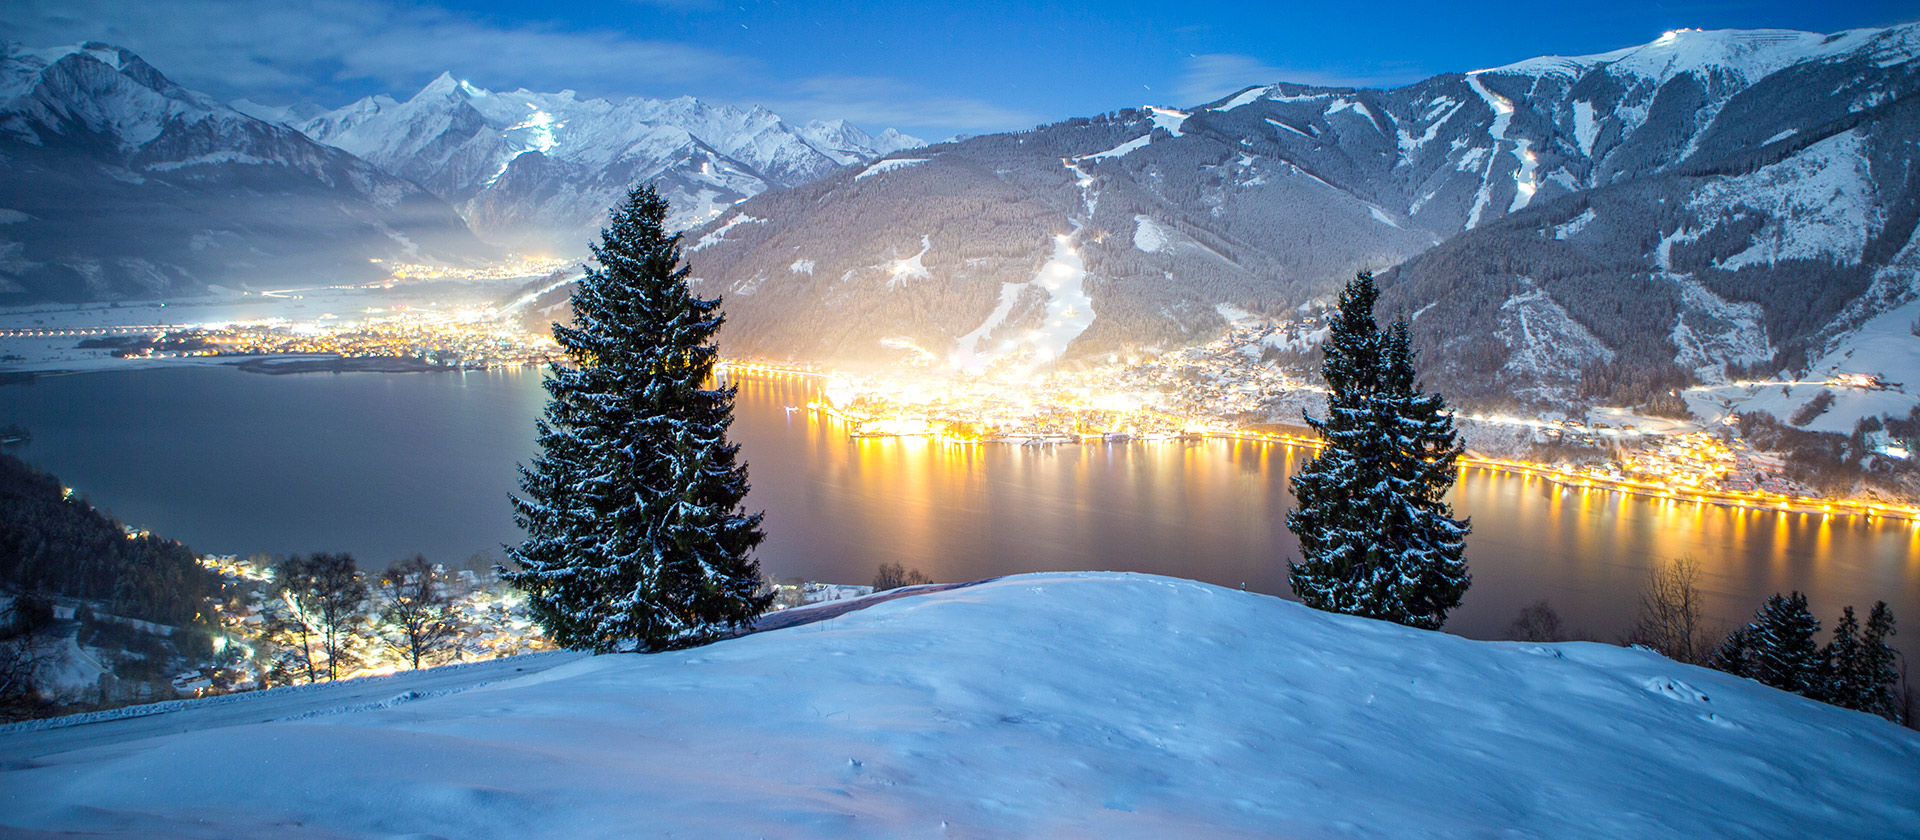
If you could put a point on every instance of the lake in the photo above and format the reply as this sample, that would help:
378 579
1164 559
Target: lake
384 465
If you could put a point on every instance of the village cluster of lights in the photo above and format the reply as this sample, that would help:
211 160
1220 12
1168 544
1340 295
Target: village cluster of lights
515 266
467 338
1224 389
493 617
1189 393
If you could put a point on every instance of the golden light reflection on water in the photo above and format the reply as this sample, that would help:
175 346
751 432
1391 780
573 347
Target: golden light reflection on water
1214 510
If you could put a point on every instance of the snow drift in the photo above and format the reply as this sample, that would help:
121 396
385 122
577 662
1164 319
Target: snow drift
1060 705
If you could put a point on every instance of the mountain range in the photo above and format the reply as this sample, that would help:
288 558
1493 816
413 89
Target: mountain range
115 182
1704 205
538 171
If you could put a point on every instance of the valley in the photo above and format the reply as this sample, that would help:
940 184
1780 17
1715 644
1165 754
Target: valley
423 419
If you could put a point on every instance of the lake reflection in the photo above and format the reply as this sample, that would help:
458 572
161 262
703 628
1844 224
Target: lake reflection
384 465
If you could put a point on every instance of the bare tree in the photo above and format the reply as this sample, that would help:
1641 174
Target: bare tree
1670 620
23 648
894 576
1537 622
417 609
321 598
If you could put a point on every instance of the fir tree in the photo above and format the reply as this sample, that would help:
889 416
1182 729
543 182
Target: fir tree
1422 454
1840 661
1733 655
636 534
1781 648
1376 537
1877 672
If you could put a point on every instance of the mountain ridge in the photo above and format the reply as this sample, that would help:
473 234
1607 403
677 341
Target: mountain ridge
1268 198
116 182
538 171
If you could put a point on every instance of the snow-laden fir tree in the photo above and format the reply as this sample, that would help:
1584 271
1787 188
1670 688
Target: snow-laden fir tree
1840 661
1422 458
636 534
1877 671
1376 537
1856 670
1777 647
1733 654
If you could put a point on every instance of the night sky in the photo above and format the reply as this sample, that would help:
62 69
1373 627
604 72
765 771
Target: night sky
930 68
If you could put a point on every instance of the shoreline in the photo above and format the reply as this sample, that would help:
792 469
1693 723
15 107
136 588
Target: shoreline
289 364
267 364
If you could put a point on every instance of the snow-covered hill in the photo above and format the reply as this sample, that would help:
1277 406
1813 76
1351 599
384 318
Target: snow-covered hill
538 171
1058 705
116 182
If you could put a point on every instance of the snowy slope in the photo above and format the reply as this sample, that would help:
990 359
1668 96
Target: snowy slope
1713 199
1061 705
539 170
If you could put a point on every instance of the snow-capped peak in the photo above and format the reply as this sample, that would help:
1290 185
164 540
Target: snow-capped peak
1751 54
892 140
108 54
287 115
846 143
26 66
107 88
466 144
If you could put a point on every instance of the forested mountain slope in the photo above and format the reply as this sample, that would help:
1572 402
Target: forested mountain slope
1648 216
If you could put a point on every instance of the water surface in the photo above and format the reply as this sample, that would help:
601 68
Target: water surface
383 465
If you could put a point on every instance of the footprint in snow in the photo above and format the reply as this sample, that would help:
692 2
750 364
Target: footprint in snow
1675 689
1719 721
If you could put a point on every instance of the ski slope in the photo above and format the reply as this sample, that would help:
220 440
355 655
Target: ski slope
1050 705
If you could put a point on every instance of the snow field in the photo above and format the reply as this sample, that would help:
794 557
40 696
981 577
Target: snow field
1068 705
1148 236
882 166
1820 203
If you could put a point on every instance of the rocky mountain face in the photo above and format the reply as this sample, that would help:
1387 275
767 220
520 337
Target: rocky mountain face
1743 202
538 171
116 182
1609 224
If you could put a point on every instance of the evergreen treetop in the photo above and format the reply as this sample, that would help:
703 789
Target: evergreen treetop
1376 535
636 533
1878 673
1840 677
1855 671
1781 640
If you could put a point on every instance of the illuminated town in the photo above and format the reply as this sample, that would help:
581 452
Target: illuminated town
1230 387
490 619
476 339
1225 390
516 266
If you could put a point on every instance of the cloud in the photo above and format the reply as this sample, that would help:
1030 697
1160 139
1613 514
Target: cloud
272 51
1214 75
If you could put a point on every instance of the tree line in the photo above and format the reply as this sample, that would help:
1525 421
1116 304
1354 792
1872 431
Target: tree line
55 543
1856 669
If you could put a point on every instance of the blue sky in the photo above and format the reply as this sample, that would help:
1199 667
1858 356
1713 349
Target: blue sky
929 68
